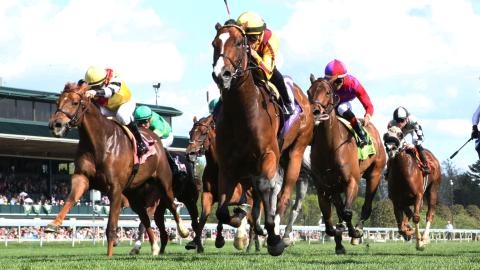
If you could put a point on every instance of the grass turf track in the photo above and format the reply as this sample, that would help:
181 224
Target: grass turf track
86 256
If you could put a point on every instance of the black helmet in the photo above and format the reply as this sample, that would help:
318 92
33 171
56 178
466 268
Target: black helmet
400 113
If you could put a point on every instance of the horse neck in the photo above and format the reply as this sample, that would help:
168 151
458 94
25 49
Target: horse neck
240 101
405 162
211 151
331 129
89 129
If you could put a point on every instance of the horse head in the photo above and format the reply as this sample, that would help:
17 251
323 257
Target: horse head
393 140
323 99
230 54
71 106
199 137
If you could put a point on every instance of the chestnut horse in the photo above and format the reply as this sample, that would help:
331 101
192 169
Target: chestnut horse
105 160
184 189
249 123
407 186
202 142
336 166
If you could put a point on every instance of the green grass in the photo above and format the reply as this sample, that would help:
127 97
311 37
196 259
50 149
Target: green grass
86 256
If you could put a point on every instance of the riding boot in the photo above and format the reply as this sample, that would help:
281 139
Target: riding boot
142 147
423 158
362 136
172 164
278 81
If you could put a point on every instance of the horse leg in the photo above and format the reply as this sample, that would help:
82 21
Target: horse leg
115 196
416 219
207 202
138 243
372 182
159 217
219 239
197 240
80 185
400 218
168 192
290 179
350 196
256 211
432 195
301 190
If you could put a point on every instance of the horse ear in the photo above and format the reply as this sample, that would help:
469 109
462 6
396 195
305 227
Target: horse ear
312 78
218 26
194 119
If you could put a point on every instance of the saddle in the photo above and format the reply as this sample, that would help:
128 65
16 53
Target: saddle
151 148
365 151
422 166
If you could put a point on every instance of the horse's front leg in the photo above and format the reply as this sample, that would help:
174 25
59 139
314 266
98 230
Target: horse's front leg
159 217
301 190
80 185
347 213
115 196
432 194
420 245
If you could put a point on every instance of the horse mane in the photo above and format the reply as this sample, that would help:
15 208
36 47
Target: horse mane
73 87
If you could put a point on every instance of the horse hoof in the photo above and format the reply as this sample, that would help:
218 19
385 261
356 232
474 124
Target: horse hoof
155 249
191 245
219 242
355 241
277 249
134 252
51 228
420 246
340 251
287 241
200 249
183 231
240 242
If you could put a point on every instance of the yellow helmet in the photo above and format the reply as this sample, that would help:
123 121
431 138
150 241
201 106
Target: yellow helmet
255 23
95 75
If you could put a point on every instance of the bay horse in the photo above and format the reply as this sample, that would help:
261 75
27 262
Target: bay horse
185 190
105 159
202 142
248 146
407 186
336 166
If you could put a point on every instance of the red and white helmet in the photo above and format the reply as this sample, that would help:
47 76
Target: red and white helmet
335 69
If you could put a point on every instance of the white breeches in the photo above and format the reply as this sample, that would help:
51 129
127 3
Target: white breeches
124 113
343 107
168 141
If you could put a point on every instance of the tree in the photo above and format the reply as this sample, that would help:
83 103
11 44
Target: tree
383 215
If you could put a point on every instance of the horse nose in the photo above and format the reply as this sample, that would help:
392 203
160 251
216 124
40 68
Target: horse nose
316 112
57 124
226 75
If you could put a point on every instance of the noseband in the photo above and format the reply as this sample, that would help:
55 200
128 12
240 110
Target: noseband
81 109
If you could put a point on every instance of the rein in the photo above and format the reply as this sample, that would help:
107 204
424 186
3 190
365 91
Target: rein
329 107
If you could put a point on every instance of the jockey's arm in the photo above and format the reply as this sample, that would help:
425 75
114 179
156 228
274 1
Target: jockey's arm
364 98
267 62
110 89
476 116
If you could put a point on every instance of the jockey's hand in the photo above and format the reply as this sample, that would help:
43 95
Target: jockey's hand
475 133
90 93
254 53
366 119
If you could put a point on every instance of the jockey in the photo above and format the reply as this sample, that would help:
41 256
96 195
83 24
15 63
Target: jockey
409 125
264 45
475 133
149 119
211 106
114 98
348 88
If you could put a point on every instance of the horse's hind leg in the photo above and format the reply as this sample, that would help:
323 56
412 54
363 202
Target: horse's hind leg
115 196
160 222
139 208
193 211
432 194
400 218
372 182
79 186
416 219
169 197
301 190
219 239
207 202
347 213
138 242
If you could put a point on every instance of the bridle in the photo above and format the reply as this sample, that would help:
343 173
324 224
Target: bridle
327 108
75 117
239 71
203 137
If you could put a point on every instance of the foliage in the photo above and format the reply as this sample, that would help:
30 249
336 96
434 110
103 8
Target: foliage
382 214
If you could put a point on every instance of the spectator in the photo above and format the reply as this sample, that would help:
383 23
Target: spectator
449 229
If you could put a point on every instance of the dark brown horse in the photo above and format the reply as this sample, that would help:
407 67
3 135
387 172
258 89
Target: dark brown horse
184 189
336 165
407 186
248 146
202 142
105 159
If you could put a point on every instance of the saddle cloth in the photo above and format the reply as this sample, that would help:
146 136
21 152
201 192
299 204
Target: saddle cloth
365 151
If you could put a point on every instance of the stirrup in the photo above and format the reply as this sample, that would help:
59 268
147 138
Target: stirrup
142 149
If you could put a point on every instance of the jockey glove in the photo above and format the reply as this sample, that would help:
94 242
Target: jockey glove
475 133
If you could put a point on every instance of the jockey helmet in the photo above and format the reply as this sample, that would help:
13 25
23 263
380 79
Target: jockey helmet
335 69
212 104
400 113
95 75
142 113
255 23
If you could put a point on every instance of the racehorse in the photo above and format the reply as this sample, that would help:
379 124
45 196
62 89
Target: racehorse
249 147
407 185
336 166
184 189
105 161
202 142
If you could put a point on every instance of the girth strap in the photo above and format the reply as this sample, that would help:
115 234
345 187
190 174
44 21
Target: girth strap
132 175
